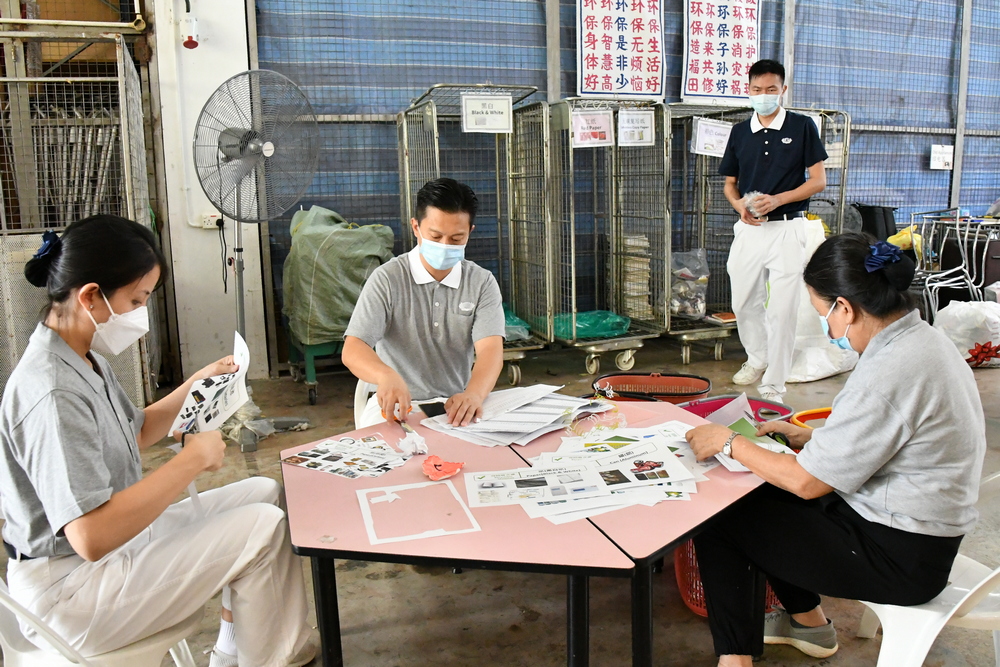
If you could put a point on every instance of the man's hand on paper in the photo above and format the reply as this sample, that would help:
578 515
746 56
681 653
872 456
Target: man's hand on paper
797 435
221 367
707 440
464 408
392 392
208 448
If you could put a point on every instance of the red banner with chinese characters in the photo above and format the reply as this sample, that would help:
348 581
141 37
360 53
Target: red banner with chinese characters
619 48
721 42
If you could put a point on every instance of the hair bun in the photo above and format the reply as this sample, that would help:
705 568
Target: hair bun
900 273
37 270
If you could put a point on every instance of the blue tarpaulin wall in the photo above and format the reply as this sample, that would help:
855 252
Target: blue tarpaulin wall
886 63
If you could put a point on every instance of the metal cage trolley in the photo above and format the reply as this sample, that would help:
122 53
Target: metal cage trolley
703 218
610 227
71 146
432 143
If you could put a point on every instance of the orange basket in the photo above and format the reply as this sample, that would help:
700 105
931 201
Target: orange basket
672 388
800 418
689 581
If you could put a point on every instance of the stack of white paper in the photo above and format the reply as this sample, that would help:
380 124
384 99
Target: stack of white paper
518 416
632 467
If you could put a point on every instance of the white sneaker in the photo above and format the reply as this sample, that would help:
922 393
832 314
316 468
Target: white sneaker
222 659
773 396
748 374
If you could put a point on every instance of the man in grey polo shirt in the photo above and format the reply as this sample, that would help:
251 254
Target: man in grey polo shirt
429 324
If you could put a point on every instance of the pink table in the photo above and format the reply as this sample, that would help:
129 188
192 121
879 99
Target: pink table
325 521
646 534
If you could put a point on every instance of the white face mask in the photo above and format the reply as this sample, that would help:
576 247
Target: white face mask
120 331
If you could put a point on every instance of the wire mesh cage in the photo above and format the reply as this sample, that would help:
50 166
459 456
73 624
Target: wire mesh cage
610 234
432 144
702 217
71 145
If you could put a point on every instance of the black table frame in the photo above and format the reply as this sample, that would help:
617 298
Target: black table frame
328 608
642 593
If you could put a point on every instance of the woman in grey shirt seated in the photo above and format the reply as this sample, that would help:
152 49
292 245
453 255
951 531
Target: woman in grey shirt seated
99 552
876 504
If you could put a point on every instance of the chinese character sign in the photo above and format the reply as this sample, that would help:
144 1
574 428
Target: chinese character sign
620 48
722 41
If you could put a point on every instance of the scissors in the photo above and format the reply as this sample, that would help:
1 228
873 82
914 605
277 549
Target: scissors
777 437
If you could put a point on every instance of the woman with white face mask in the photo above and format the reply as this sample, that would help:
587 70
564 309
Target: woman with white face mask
875 505
95 549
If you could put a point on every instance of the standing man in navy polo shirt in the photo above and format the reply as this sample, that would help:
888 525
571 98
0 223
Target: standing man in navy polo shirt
770 153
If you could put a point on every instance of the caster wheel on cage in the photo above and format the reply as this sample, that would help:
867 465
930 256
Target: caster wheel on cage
593 364
625 360
312 396
685 354
296 372
514 374
720 352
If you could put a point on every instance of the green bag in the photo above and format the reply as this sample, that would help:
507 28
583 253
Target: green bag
592 324
515 327
324 272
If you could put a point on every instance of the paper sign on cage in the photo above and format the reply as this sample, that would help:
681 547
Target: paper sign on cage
592 129
414 511
492 114
636 127
710 136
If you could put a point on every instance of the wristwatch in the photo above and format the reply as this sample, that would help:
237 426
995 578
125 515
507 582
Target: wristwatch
727 448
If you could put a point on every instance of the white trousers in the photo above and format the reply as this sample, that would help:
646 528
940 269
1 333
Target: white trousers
171 569
773 253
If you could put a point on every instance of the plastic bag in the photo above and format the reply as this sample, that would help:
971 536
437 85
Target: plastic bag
974 328
689 287
328 264
814 358
592 324
514 327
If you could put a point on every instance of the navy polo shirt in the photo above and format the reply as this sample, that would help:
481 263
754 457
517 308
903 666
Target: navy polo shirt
773 159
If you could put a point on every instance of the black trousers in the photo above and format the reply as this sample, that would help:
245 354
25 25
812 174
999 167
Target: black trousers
807 548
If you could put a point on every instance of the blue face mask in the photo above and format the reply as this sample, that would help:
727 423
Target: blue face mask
841 342
440 255
765 105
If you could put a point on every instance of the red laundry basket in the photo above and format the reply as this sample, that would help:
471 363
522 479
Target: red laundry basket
764 410
670 388
689 581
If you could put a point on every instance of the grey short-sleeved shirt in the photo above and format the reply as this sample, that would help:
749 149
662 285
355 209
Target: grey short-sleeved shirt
67 443
905 442
426 330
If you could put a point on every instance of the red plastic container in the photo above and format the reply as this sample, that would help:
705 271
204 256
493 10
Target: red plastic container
671 388
689 581
764 411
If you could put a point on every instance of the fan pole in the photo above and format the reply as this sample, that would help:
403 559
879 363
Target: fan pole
241 317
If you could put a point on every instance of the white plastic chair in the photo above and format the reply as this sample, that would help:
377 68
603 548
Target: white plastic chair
361 394
971 600
149 652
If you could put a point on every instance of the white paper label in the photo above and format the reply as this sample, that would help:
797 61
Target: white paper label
710 136
593 128
636 127
492 114
942 157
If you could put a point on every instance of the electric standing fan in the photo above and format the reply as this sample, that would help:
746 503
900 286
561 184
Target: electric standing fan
256 144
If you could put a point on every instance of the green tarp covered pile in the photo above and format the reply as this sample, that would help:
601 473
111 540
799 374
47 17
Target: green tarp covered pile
328 264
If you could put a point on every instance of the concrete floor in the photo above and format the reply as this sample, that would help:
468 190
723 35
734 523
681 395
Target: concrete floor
397 615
